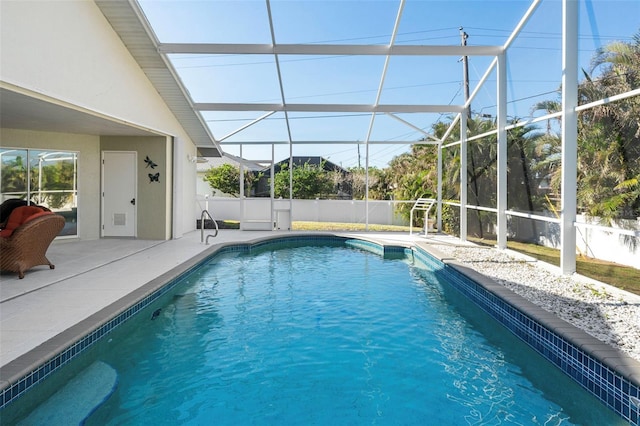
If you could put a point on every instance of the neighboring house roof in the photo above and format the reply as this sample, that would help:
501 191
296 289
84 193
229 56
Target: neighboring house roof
129 23
228 159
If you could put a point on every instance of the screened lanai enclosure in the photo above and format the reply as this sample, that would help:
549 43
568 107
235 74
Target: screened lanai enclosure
519 118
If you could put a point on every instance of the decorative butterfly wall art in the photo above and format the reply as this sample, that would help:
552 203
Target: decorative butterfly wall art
150 163
154 177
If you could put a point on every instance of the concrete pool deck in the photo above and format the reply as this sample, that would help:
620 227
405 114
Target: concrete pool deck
92 275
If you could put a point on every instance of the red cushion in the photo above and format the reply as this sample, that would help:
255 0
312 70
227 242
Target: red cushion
33 216
19 216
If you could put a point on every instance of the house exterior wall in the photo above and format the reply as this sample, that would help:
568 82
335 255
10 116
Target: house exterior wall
66 52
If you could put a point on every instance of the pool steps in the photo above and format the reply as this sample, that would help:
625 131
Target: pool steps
78 399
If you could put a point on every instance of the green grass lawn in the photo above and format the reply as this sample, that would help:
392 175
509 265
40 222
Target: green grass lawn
623 277
336 226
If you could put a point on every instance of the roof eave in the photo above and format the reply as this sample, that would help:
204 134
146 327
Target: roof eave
129 22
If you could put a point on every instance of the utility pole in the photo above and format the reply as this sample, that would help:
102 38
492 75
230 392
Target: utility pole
359 166
465 70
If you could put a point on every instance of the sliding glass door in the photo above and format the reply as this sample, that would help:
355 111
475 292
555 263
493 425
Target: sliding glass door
43 177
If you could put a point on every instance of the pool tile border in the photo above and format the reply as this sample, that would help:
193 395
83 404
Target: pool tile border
20 375
610 375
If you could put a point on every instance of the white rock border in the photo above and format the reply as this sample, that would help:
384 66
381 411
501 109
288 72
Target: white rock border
608 313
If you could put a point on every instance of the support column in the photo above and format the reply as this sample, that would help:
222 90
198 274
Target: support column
241 192
501 190
290 172
463 177
366 187
439 189
272 183
569 136
272 186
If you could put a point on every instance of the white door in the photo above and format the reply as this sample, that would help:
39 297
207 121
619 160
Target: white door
119 183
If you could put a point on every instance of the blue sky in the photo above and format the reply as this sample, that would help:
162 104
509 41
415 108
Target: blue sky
534 71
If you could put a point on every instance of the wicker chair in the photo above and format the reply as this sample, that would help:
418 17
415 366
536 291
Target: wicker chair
27 246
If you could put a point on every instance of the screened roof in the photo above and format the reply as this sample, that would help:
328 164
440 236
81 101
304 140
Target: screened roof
325 75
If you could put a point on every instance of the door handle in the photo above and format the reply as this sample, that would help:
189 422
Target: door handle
133 201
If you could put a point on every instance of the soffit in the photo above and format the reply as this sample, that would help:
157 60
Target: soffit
29 112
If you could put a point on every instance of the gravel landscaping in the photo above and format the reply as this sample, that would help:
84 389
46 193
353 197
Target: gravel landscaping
606 312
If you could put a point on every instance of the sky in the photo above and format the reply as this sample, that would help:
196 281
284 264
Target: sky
534 65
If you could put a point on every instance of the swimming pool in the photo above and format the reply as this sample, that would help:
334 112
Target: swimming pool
546 342
313 334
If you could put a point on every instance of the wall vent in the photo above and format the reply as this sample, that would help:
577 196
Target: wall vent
119 219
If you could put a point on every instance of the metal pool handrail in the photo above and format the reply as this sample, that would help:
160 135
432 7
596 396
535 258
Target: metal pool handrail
423 204
204 214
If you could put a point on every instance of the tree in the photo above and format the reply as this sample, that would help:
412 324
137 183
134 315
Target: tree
358 181
14 176
609 134
481 169
379 185
226 179
57 183
309 182
413 175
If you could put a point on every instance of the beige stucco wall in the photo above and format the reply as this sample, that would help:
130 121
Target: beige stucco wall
66 51
88 149
153 198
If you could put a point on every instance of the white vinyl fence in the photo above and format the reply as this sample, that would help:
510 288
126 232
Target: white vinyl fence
344 211
594 240
619 242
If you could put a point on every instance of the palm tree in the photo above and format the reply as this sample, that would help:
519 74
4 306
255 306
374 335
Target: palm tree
413 175
549 107
481 176
610 134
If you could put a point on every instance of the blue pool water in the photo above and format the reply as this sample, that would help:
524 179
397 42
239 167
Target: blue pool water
327 335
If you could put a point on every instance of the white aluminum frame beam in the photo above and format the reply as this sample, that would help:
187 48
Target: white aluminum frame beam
439 189
326 49
286 115
416 128
525 18
501 63
373 116
328 142
502 154
502 165
463 177
238 130
368 108
569 134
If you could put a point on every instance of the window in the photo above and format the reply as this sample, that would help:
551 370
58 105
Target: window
43 177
